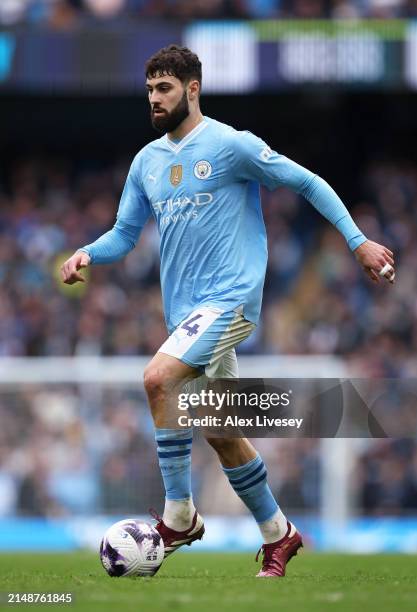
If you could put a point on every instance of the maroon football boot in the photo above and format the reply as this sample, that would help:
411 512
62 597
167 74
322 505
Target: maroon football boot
174 539
277 554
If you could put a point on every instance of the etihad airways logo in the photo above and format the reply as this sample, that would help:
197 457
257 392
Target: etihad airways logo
182 208
198 199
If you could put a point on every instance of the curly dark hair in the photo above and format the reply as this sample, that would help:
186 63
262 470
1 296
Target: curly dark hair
176 61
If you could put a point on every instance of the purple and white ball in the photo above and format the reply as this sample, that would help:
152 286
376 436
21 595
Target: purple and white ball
131 548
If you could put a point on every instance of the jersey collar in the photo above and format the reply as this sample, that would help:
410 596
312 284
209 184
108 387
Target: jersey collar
178 146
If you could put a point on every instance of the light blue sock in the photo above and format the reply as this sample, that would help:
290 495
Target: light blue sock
249 482
174 454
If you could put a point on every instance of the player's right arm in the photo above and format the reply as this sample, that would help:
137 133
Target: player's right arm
134 211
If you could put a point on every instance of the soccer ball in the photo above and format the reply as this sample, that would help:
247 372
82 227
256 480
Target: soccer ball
131 548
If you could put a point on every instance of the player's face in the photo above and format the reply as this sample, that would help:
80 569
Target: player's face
169 102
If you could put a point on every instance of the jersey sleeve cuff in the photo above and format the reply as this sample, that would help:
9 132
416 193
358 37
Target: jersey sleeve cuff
86 250
355 242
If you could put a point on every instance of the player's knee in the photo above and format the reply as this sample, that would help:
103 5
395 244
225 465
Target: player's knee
155 381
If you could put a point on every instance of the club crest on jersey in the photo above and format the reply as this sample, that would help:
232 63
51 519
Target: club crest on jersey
202 169
176 175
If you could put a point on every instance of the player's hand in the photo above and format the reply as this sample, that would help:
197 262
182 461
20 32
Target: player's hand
376 260
69 269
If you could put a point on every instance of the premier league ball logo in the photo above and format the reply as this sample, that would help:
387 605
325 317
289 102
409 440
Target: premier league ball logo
132 548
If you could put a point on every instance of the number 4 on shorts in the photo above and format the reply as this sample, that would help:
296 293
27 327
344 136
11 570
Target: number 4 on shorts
194 329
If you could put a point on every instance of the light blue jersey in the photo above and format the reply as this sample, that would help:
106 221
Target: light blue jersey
204 195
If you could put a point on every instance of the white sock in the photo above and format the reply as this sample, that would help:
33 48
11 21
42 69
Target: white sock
179 514
275 528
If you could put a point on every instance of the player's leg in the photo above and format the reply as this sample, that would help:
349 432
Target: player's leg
163 378
247 474
181 358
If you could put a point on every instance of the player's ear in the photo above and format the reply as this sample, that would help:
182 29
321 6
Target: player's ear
193 90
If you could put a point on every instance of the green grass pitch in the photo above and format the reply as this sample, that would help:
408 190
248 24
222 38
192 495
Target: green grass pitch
213 582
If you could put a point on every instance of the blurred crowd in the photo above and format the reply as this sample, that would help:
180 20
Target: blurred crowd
66 450
67 13
316 298
385 479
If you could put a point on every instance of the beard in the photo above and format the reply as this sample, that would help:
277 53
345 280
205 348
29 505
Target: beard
168 122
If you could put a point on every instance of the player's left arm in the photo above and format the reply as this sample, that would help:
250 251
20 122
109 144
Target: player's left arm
133 213
256 161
